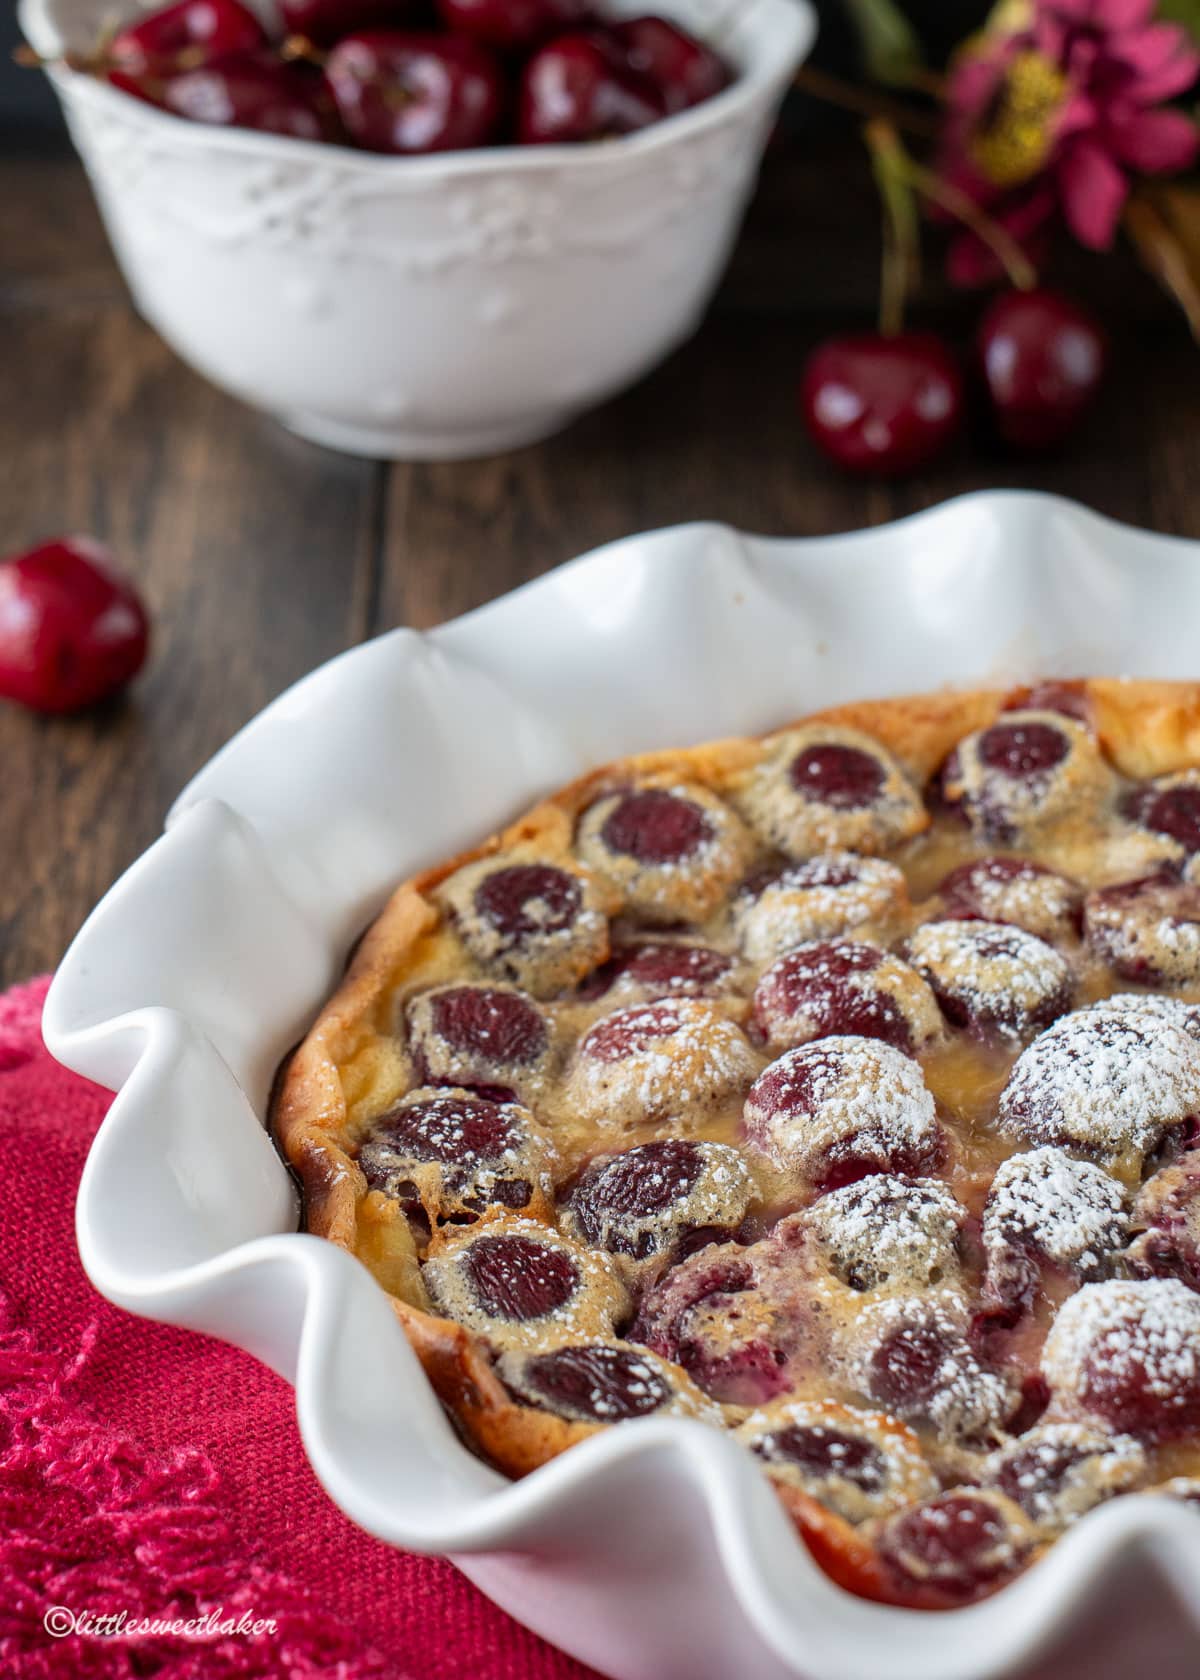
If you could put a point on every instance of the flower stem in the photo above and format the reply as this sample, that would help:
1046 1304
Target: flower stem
887 147
863 102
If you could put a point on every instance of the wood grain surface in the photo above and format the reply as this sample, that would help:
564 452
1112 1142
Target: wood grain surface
261 556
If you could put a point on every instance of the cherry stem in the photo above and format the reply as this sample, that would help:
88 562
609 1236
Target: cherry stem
832 90
885 142
901 252
300 48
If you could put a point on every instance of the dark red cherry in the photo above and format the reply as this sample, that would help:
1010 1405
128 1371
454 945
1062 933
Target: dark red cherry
908 1366
580 88
254 90
506 899
501 1026
458 1130
655 826
1173 811
601 1382
72 631
684 70
1023 749
843 777
642 1181
882 405
631 1032
956 1545
519 1278
819 1451
513 26
1042 358
408 91
183 36
324 22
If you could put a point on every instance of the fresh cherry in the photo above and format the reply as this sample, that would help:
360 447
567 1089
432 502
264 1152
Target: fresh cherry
1042 357
72 631
513 25
324 22
254 90
882 405
684 70
580 88
185 36
408 91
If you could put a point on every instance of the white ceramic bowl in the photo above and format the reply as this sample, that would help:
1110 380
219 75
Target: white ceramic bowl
655 1551
424 308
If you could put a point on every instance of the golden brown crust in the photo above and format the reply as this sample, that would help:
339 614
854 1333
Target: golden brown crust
1146 729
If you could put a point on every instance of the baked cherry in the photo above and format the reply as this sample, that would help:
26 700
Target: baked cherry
580 88
1016 890
513 1279
1042 357
1148 930
955 1547
882 405
633 1065
409 91
451 1153
661 969
72 631
1129 1354
184 36
324 22
477 1035
684 70
827 895
844 986
887 1230
841 1109
1108 1082
512 26
257 91
992 977
1057 1471
643 1201
1047 1209
1170 807
859 1464
913 1356
732 1317
598 1382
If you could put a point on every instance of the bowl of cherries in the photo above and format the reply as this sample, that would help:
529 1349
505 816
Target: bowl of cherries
421 229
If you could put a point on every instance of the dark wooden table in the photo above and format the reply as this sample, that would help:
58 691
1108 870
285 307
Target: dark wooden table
262 556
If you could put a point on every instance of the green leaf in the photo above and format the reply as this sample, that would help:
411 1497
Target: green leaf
1186 12
890 48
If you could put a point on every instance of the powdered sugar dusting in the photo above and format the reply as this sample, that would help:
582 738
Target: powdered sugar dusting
1072 1211
1106 1081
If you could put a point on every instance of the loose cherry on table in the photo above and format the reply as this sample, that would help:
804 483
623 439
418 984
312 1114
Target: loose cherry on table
184 36
72 630
882 404
413 91
513 25
1042 358
580 87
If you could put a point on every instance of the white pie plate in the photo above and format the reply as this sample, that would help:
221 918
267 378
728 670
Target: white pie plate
655 1551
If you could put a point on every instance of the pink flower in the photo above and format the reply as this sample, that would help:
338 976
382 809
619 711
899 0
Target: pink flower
1053 106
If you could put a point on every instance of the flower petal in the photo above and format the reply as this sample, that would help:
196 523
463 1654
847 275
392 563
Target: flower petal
1093 192
1122 14
1155 142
